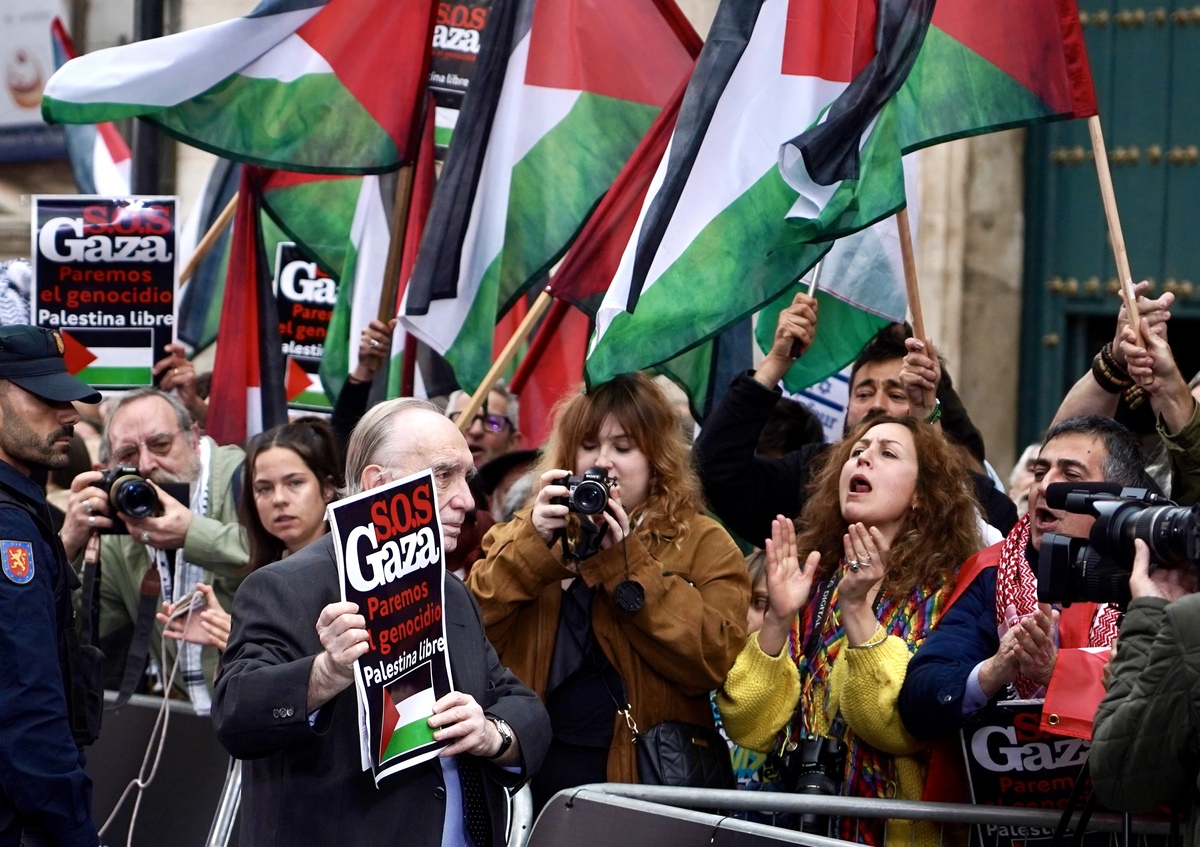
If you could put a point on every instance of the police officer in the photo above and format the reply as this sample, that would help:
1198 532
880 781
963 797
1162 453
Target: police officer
45 797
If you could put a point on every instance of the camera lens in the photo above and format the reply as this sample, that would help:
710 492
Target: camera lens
134 496
590 497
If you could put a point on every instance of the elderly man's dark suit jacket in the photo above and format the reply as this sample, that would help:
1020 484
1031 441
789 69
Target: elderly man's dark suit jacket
305 784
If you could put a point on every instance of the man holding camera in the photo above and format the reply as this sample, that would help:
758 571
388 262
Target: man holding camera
45 797
996 635
189 539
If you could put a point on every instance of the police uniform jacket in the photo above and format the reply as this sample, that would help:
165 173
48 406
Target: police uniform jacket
42 783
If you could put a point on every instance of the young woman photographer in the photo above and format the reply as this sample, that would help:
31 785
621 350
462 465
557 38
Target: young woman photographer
888 521
650 614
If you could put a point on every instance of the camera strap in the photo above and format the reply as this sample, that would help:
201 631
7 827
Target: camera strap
149 597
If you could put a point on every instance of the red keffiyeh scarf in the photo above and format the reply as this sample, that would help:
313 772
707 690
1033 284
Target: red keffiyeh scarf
1016 586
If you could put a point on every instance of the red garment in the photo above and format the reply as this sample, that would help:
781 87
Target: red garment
1074 693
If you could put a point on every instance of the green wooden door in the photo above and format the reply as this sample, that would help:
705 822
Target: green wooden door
1146 65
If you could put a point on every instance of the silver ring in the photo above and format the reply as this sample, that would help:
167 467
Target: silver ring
91 520
145 535
853 564
866 560
374 343
87 505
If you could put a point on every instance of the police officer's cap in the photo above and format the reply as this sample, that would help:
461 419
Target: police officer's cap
32 357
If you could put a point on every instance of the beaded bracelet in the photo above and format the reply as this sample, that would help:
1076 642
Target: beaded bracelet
1108 373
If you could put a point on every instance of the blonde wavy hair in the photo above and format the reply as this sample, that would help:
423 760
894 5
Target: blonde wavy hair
649 420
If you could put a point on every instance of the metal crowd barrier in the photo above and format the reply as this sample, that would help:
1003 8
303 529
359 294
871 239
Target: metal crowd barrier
613 815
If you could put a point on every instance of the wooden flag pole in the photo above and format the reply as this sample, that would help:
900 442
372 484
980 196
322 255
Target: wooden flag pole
391 269
910 274
540 305
1109 197
209 239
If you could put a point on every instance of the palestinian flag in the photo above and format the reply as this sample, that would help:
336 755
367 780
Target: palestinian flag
407 707
404 378
564 91
316 211
248 373
201 296
100 158
731 219
305 85
550 368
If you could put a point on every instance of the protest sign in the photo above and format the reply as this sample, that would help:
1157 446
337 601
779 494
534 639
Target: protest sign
104 274
306 296
1012 762
391 563
457 34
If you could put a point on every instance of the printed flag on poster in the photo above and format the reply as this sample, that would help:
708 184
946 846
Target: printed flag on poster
391 562
104 274
788 95
563 92
305 296
100 158
306 85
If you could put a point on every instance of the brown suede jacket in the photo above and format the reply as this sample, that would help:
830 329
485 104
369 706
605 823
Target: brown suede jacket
670 654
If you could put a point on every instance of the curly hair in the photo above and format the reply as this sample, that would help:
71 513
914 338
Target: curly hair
940 533
650 422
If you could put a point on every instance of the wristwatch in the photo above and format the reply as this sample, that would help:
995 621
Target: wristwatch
506 736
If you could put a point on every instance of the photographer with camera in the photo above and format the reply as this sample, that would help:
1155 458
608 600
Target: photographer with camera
45 796
995 638
156 546
614 590
1146 746
886 524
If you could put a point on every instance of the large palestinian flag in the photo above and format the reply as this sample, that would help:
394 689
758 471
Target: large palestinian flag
306 85
564 91
248 372
766 165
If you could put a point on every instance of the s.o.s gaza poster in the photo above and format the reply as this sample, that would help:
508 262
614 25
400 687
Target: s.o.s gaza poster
104 275
391 562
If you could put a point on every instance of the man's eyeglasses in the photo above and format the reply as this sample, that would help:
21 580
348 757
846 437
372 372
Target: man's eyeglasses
492 423
159 445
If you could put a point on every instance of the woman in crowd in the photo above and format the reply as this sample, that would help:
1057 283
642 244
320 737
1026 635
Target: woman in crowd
291 474
642 604
888 521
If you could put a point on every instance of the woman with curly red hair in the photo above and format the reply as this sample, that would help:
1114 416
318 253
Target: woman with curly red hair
888 521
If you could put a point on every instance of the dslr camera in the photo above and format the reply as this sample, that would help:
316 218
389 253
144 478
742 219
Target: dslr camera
587 494
1096 569
128 492
818 765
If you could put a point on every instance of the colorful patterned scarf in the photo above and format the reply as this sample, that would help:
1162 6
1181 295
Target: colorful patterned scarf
869 772
1016 586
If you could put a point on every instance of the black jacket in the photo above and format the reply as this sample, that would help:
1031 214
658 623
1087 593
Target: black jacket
304 784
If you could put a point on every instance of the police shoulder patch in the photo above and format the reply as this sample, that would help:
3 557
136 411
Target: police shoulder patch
16 560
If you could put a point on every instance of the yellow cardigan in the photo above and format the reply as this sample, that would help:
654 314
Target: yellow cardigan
761 692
